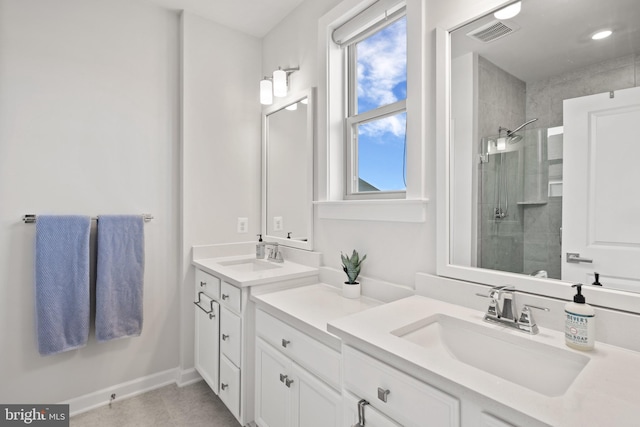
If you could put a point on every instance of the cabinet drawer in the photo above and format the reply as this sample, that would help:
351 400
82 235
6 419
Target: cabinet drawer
230 297
230 386
408 401
230 335
208 284
314 356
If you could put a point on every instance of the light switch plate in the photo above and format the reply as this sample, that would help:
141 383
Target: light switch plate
243 225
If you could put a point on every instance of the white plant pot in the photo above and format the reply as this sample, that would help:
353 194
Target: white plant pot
351 290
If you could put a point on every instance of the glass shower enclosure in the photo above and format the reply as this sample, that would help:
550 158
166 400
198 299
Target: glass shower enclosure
520 202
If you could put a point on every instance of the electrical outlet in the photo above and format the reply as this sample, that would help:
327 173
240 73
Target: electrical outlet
277 223
243 225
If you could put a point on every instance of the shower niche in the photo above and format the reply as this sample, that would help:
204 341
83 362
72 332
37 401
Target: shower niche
519 207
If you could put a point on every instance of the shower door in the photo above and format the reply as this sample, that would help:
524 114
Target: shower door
601 206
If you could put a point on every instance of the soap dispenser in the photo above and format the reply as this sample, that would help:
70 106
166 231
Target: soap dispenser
579 331
260 247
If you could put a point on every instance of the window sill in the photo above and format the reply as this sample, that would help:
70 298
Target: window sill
414 210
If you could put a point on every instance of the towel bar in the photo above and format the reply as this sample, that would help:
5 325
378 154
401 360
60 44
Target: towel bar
31 218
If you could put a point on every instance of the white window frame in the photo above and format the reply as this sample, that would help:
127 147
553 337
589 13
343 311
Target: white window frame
353 119
330 153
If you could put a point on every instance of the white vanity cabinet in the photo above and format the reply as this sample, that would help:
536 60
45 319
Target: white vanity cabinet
297 377
224 343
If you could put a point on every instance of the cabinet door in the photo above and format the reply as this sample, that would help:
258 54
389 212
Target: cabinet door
206 340
315 404
273 396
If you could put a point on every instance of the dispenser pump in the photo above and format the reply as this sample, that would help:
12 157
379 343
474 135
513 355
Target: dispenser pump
578 298
597 282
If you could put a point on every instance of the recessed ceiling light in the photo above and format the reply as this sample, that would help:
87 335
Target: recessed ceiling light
509 11
602 35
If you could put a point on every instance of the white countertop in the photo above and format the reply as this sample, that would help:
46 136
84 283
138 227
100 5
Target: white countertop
309 308
242 278
605 393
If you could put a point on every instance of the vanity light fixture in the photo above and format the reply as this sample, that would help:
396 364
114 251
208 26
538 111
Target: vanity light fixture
292 107
266 91
508 12
601 35
277 85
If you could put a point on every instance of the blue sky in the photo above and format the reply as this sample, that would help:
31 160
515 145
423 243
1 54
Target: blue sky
382 80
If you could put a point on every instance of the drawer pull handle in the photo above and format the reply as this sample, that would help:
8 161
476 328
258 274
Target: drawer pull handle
283 378
223 386
285 342
288 382
224 337
225 296
382 394
203 283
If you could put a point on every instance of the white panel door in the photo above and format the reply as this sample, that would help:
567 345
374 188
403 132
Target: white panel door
601 200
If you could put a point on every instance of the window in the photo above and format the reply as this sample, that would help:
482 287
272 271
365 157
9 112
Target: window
375 134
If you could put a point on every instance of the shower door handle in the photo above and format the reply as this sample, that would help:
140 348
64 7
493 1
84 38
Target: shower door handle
574 257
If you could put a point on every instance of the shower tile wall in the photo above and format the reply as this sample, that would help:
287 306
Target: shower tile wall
501 99
544 98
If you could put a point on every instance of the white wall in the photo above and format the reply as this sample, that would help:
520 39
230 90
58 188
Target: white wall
88 125
221 143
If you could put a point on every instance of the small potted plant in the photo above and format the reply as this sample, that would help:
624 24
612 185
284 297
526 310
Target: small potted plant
351 266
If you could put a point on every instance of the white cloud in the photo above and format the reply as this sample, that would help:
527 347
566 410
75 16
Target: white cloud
381 67
395 125
382 64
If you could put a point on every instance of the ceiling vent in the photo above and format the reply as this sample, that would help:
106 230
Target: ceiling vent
493 31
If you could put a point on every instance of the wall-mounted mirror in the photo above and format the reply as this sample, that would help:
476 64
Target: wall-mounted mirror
541 181
287 171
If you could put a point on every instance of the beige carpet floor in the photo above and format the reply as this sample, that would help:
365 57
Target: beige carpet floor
194 405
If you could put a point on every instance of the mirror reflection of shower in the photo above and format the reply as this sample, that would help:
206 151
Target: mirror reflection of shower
519 201
501 205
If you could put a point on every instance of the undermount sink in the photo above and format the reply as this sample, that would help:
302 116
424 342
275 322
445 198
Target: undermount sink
539 367
249 265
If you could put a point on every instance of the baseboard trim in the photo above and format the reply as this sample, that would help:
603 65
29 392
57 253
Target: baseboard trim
185 377
124 390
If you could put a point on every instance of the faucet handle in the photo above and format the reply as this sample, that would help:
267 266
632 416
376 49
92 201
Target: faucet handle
526 321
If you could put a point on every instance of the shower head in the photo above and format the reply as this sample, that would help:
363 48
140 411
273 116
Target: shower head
511 134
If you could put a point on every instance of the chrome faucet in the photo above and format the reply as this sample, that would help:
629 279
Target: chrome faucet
502 310
274 253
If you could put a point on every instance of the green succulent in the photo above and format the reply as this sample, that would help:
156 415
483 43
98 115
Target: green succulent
351 265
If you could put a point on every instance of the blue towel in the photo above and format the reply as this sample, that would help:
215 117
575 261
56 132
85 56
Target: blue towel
119 276
62 282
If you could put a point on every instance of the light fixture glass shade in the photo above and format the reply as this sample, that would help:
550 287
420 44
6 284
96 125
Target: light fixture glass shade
279 83
266 92
602 34
509 11
292 107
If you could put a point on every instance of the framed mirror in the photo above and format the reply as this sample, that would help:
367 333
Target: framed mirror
537 168
287 171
